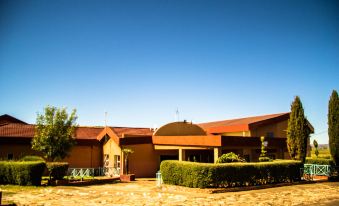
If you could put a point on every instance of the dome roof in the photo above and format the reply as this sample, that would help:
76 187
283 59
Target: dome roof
179 129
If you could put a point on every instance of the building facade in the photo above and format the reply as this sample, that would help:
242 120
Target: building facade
184 141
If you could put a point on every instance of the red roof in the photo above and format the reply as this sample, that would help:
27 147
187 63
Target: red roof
81 132
237 125
17 130
6 119
126 131
27 130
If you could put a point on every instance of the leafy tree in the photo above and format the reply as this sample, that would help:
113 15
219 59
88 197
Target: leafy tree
297 131
127 152
53 135
316 151
333 126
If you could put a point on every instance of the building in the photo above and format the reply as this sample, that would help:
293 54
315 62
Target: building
185 141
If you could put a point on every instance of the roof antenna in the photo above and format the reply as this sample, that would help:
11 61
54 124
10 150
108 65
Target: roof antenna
105 119
177 115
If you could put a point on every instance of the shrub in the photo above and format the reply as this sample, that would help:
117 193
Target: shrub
264 159
319 161
21 173
229 157
57 170
32 158
203 175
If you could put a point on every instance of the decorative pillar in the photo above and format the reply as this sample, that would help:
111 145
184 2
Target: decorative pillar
181 154
216 154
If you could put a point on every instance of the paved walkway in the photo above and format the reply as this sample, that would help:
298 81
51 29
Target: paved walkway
146 193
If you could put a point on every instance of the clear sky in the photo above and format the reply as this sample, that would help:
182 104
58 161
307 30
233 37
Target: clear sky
141 60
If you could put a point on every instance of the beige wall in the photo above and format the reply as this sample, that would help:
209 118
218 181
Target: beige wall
279 129
111 148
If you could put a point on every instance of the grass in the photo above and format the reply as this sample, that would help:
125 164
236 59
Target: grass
323 153
17 188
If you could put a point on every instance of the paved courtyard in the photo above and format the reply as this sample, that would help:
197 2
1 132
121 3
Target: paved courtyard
143 192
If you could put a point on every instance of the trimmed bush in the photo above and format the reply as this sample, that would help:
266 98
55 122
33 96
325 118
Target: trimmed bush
21 173
204 175
264 159
32 158
229 157
319 161
57 170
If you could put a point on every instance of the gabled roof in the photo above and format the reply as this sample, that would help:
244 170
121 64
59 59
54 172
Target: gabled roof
127 135
241 124
6 119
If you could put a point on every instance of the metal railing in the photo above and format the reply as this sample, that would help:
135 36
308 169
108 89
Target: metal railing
80 172
111 171
311 170
91 172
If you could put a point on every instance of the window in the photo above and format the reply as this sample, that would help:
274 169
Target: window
106 160
117 161
10 156
269 134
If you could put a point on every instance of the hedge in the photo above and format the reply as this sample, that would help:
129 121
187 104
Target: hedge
57 170
204 175
32 158
21 173
319 161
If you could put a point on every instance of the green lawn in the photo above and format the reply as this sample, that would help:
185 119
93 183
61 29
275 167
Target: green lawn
323 153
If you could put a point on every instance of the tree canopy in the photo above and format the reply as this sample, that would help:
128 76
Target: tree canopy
53 135
297 131
333 126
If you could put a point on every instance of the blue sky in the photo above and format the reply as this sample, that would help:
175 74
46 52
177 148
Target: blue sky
141 60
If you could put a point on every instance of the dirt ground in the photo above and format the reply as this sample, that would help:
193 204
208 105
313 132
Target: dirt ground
145 192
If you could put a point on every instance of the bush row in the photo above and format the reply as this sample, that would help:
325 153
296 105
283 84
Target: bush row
57 170
21 173
319 161
204 175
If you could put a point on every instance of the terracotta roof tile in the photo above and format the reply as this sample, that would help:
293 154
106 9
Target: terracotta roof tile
17 130
242 122
27 130
132 131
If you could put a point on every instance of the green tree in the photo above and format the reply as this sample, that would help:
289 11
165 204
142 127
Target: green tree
53 135
297 131
316 151
333 126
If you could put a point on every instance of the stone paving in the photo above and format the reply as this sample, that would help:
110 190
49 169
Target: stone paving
144 192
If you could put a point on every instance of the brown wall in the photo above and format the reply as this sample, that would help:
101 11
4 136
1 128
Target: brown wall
85 156
18 150
279 129
144 162
81 155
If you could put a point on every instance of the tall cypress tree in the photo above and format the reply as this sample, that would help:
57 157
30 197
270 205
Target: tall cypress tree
297 131
333 126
